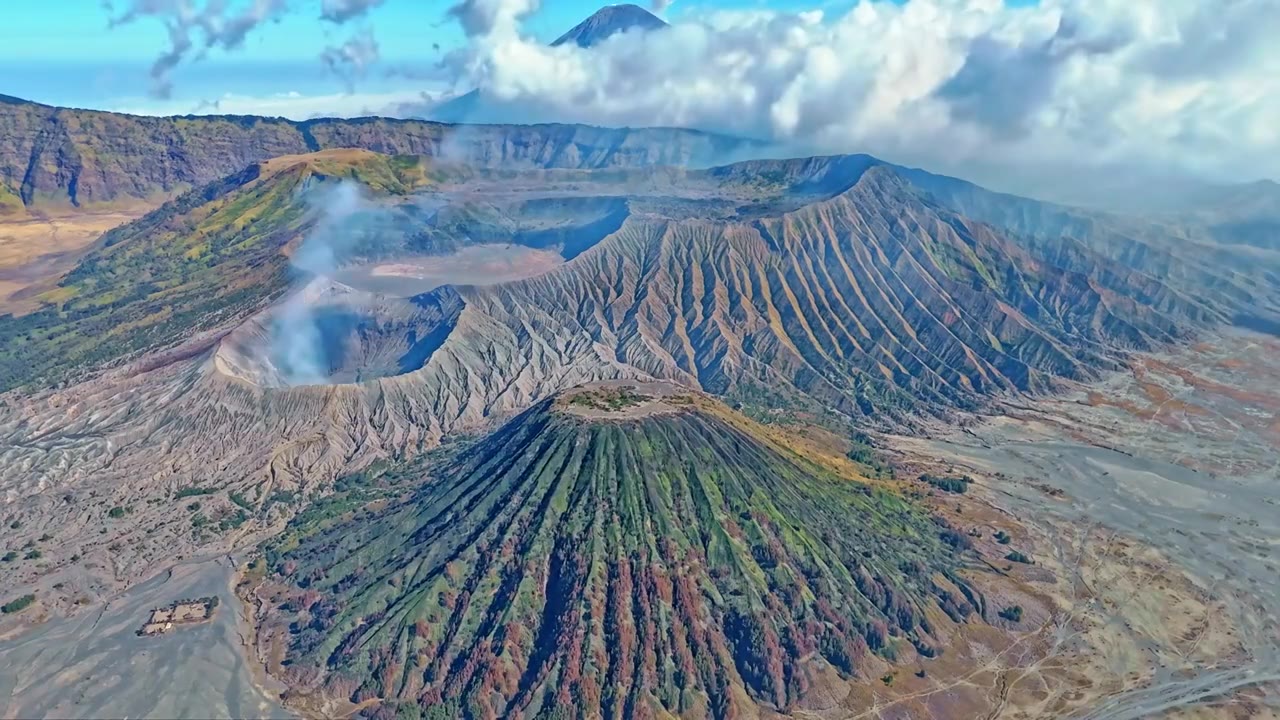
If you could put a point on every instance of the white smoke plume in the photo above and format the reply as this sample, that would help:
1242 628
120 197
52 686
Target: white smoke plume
297 342
1032 98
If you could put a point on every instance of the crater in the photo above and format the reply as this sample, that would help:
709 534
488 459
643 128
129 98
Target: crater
390 304
488 264
330 333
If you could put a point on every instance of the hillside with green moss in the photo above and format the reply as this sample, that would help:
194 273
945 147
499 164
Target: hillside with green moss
660 556
210 257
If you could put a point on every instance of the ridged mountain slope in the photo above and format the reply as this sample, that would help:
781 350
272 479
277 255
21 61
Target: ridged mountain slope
621 553
829 284
1223 254
872 300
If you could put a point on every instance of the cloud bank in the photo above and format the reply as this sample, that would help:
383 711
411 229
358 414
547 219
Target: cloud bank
1029 98
293 104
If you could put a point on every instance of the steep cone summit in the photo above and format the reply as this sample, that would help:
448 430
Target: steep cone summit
625 551
609 21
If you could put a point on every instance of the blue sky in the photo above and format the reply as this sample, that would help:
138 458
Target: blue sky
63 52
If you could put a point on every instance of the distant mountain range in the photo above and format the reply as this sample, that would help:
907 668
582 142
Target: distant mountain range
60 158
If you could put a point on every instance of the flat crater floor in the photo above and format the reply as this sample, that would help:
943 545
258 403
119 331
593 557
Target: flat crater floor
487 264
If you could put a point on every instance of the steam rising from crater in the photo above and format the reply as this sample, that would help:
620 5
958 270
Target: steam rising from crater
297 347
378 278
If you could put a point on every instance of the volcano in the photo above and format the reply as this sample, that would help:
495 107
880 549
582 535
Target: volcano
607 22
630 549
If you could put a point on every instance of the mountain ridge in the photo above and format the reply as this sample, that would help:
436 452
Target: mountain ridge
54 157
826 291
801 220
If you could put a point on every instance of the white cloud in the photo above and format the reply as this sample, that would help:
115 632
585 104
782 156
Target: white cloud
352 59
1034 96
195 27
340 11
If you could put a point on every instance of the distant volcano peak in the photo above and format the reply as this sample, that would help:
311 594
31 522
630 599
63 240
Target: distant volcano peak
609 21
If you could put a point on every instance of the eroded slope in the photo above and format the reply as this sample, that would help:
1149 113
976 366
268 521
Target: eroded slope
624 551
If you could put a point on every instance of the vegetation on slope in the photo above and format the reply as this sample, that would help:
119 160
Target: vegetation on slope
18 604
678 562
211 256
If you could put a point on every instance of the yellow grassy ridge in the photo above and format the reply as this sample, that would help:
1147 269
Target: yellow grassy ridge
394 174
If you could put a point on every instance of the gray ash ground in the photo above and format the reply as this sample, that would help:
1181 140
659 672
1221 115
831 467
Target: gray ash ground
1190 469
94 664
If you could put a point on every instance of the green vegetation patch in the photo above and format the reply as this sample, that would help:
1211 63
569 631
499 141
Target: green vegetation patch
18 605
10 202
957 485
188 266
187 492
862 450
609 399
